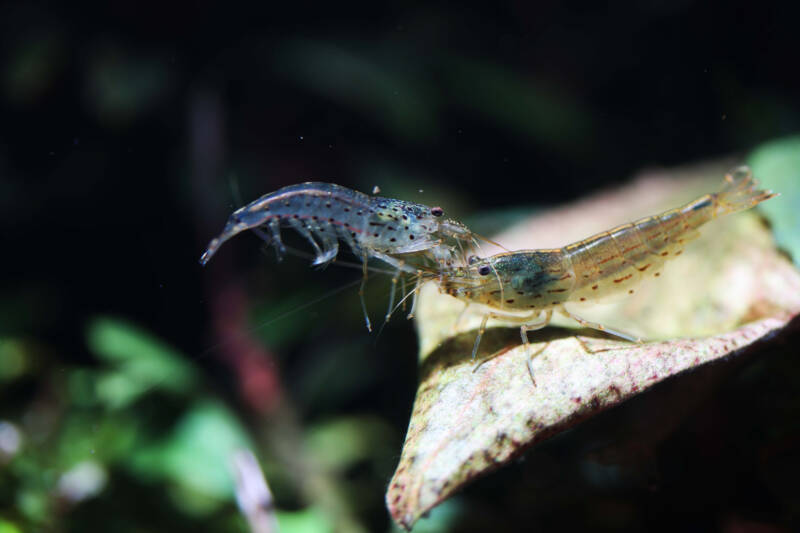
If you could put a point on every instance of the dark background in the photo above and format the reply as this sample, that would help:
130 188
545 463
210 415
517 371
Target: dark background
130 130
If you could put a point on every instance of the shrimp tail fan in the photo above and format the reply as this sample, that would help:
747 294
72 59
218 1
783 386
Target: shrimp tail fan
740 192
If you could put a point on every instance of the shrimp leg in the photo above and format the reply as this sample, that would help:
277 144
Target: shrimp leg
523 331
361 291
403 290
416 293
392 291
529 325
399 264
599 327
507 317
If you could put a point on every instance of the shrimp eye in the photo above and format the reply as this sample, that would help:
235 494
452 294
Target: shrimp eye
484 270
437 211
473 259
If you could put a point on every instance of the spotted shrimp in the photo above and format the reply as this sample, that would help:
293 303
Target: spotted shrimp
525 287
396 232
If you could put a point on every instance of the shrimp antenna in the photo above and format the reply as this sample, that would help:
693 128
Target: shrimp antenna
490 241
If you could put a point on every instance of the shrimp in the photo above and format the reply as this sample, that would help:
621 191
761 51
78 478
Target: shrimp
393 231
527 286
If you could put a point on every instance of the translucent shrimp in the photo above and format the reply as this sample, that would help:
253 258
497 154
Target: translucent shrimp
399 233
527 286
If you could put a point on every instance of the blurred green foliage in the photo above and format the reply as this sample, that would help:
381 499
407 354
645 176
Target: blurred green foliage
91 424
140 363
142 414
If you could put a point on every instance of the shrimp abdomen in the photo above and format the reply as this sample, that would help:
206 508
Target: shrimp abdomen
614 261
606 262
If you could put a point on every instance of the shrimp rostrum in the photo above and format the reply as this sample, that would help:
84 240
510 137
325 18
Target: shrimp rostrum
394 231
526 287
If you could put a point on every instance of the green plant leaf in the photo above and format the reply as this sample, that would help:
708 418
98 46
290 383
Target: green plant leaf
310 520
196 456
777 163
142 363
731 289
8 527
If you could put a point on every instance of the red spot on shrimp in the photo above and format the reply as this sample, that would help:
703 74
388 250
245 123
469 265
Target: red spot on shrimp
635 246
620 280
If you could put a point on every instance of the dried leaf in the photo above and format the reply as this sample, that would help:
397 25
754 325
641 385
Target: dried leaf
729 290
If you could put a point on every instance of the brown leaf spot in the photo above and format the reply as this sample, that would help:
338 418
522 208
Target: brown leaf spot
613 389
